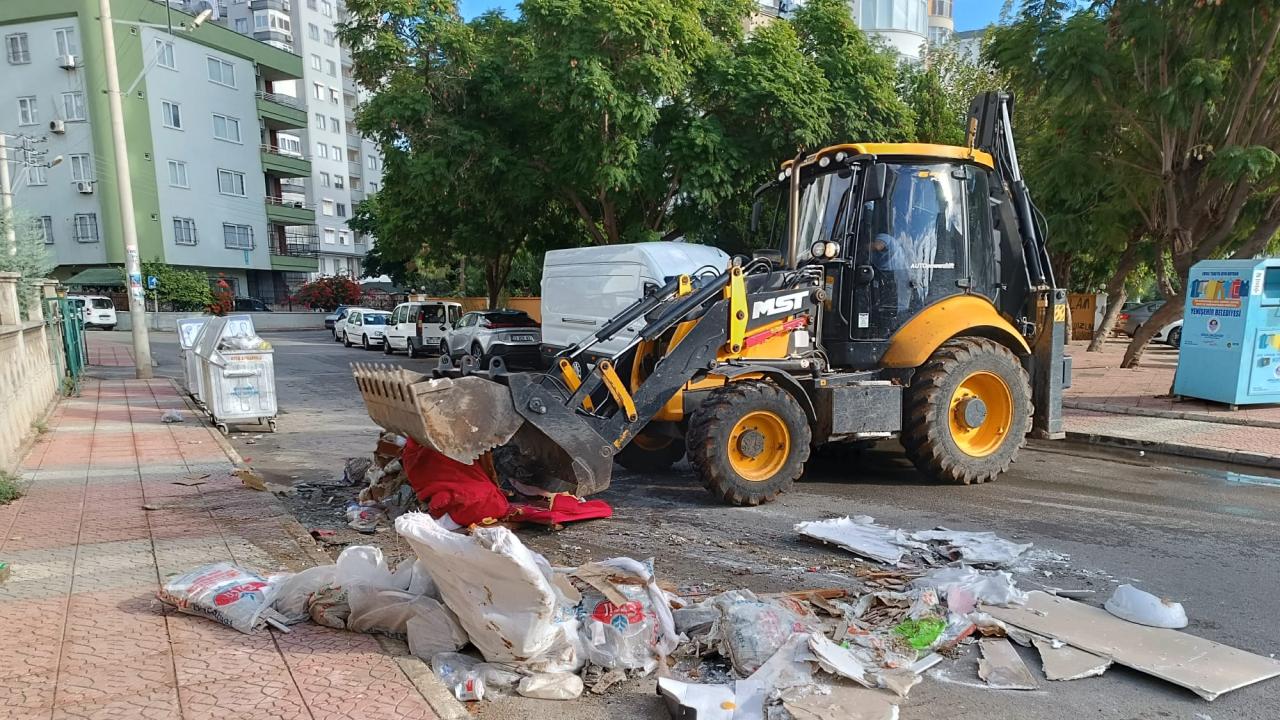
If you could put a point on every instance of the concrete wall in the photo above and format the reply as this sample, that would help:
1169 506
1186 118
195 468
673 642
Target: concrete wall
264 322
29 370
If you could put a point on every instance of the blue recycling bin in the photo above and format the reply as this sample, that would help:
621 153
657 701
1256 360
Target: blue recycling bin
1231 333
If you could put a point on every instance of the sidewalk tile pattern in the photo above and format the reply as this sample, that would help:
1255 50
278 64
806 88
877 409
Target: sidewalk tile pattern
85 636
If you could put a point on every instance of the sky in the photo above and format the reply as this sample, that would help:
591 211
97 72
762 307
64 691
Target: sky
969 14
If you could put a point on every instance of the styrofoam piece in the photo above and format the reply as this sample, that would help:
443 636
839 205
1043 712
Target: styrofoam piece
1140 606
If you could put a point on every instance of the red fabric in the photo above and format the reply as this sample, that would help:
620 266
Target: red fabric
465 492
562 509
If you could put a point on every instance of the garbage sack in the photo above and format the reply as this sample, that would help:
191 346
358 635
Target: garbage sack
223 592
329 607
295 591
752 630
551 686
1139 606
501 593
172 416
434 629
382 600
627 627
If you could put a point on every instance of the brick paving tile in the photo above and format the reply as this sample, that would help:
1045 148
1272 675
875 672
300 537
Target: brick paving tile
86 636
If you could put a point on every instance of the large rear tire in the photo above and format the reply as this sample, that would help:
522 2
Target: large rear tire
748 442
651 453
967 412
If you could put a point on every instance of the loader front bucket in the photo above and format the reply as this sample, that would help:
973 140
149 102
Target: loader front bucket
461 418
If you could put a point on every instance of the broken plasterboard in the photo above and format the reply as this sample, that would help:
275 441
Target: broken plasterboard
1063 662
978 548
861 536
1205 667
1002 668
844 702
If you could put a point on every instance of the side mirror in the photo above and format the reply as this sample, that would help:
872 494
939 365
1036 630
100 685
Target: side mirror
773 255
756 208
876 182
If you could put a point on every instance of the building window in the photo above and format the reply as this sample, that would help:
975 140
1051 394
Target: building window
333 68
344 237
910 15
941 7
184 231
242 25
324 179
28 111
37 175
326 207
44 228
337 153
372 162
938 35
230 182
322 151
17 49
355 183
73 106
339 181
164 54
290 145
311 4
237 237
316 62
66 39
313 31
280 21
335 124
342 209
222 72
85 227
81 168
320 121
171 113
329 235
329 38
318 90
326 8
373 187
226 128
333 96
178 174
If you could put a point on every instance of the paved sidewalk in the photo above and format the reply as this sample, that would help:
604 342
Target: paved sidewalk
84 635
1133 407
107 352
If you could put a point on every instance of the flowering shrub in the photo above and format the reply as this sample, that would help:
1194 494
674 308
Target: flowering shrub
327 293
224 301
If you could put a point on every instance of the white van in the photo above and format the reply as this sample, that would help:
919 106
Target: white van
583 287
418 327
98 310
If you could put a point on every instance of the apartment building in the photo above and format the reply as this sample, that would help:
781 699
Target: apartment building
906 26
345 167
202 122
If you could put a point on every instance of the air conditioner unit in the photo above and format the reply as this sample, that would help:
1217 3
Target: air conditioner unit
57 127
85 187
68 62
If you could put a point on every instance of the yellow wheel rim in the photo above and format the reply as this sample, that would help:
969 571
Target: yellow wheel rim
759 445
981 414
645 441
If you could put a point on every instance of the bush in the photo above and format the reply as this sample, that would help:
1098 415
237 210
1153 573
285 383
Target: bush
177 289
327 293
9 490
224 301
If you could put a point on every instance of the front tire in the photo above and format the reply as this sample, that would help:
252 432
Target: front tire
364 341
477 354
651 453
1175 337
748 442
386 346
346 340
967 412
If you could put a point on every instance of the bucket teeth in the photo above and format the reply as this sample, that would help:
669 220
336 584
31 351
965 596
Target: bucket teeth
462 418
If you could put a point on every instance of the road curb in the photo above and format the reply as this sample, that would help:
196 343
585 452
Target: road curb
1168 414
1237 457
419 674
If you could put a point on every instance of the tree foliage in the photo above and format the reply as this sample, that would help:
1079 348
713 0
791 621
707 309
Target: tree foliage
597 121
327 293
30 258
177 289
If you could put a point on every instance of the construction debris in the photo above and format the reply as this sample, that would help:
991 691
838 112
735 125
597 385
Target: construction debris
1205 667
843 702
861 536
1142 607
974 548
1002 668
1063 662
251 479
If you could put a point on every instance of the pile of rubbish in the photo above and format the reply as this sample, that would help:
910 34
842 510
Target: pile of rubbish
549 632
403 476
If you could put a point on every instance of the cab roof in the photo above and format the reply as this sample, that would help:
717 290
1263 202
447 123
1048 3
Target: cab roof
905 150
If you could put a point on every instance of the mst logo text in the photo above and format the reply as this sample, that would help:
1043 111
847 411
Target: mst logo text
778 305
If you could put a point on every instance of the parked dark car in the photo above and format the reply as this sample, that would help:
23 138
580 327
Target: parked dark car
334 316
249 304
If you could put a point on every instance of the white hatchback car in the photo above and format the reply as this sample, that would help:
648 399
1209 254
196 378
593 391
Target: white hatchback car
98 310
363 327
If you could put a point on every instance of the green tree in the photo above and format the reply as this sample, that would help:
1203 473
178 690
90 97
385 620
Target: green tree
177 289
1183 98
30 257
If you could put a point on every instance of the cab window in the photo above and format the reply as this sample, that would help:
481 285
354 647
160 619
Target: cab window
984 252
454 313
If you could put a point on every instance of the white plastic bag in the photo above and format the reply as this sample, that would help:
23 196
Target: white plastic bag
1139 606
223 592
500 591
294 592
551 686
752 630
434 629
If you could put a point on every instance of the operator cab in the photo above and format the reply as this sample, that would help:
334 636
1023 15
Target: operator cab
896 228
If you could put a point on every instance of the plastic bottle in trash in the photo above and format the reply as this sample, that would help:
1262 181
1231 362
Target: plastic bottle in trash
470 688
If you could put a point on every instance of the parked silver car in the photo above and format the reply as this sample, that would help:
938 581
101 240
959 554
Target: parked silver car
509 334
1132 318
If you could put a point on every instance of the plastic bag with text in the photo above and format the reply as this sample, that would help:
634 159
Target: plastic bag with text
223 592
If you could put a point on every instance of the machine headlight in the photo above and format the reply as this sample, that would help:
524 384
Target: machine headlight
782 176
818 249
830 249
824 161
840 156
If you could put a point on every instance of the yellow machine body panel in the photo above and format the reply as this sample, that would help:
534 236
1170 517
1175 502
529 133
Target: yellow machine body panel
926 150
915 341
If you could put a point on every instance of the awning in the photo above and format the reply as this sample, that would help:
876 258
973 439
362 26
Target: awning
111 276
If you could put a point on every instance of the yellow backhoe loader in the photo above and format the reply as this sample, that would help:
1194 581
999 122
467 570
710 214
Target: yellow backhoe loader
908 293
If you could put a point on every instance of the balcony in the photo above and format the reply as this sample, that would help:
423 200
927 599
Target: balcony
281 112
297 253
354 169
284 164
290 212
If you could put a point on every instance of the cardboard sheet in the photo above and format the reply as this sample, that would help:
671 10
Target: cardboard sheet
1205 667
844 702
1068 663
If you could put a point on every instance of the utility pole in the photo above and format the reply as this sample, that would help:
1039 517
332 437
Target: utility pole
6 199
128 223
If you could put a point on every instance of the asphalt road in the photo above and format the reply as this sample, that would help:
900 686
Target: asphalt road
1194 533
